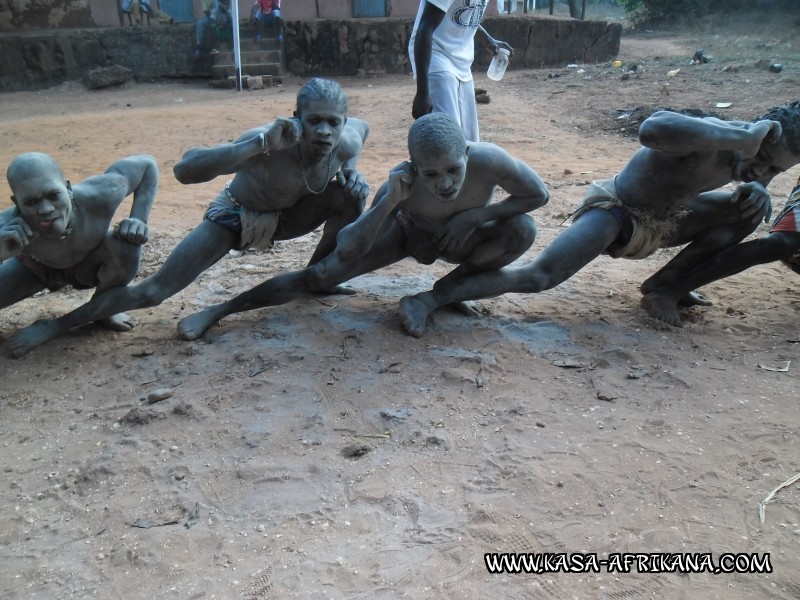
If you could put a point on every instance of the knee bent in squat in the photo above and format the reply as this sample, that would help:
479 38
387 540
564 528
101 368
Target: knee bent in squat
521 231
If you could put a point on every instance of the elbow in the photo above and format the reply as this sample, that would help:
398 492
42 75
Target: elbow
184 174
537 201
349 244
656 127
346 250
191 168
538 197
543 197
180 173
152 165
648 133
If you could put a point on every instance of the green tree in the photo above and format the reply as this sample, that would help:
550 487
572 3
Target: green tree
658 11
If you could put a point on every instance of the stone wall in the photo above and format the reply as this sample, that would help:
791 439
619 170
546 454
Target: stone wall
43 59
35 60
347 46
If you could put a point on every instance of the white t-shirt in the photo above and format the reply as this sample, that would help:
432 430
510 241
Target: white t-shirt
452 48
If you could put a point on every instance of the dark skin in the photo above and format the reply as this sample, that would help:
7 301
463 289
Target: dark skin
67 227
431 18
681 160
274 167
449 195
775 245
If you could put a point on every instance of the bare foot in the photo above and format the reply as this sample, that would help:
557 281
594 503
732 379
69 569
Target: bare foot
694 299
118 322
662 308
193 326
413 314
27 338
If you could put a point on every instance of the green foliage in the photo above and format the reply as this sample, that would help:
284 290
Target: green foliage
659 11
655 12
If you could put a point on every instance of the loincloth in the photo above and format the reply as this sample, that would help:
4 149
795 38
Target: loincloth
52 278
642 233
420 244
255 229
789 220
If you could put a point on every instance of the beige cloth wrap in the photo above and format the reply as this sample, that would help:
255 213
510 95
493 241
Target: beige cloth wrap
258 228
649 233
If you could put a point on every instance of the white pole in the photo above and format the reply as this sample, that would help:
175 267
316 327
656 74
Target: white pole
237 61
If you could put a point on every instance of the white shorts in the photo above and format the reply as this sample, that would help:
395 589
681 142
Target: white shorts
456 98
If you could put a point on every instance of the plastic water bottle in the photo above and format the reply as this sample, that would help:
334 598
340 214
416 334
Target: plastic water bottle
497 68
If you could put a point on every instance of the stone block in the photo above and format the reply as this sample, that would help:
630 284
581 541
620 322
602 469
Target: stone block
104 77
252 82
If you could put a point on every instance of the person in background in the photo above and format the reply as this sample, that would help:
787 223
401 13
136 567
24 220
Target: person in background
441 50
268 12
143 7
216 13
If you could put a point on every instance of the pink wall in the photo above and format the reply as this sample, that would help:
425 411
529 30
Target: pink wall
104 12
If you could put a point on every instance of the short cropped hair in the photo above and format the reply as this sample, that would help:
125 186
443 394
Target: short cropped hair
31 164
321 89
789 118
435 134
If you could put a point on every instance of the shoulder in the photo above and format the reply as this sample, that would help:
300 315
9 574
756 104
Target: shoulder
443 5
135 163
357 126
485 153
8 214
351 141
100 191
484 149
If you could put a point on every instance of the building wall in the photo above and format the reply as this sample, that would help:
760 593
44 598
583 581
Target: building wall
44 14
48 14
374 46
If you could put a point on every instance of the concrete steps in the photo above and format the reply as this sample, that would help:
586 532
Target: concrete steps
229 70
264 57
249 57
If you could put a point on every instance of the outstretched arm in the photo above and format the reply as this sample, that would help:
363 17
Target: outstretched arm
679 134
199 165
431 17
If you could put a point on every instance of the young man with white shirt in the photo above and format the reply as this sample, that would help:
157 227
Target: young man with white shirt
441 50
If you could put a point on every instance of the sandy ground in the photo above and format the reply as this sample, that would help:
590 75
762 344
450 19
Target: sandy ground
316 451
